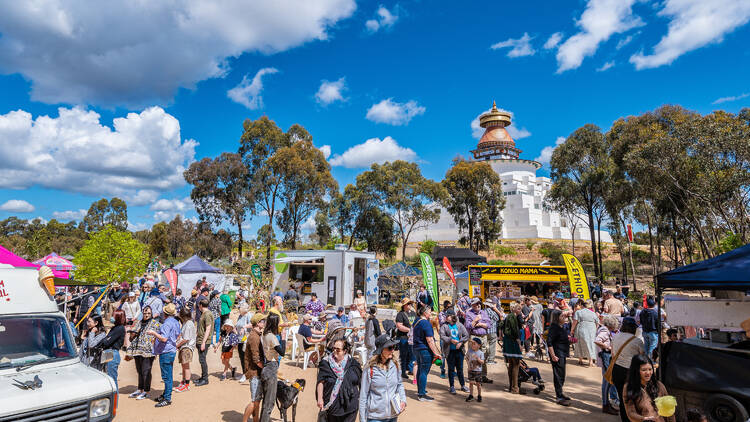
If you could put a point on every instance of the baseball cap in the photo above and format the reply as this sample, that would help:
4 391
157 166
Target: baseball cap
131 294
477 340
475 301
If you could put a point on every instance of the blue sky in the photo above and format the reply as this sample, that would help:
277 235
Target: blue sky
408 76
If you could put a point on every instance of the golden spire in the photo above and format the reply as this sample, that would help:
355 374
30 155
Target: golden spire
494 106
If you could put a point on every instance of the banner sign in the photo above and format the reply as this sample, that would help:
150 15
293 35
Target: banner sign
630 233
576 277
171 276
429 276
255 271
448 269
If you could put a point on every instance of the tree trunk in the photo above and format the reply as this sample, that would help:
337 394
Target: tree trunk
239 248
599 243
592 235
651 244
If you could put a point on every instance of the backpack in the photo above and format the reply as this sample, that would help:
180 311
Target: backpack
389 327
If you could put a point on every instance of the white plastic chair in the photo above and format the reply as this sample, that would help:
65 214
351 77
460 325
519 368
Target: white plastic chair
292 331
305 353
360 350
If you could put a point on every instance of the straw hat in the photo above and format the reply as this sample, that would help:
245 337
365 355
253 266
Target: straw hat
534 300
405 301
170 309
256 318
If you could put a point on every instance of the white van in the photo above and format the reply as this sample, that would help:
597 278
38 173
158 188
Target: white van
41 376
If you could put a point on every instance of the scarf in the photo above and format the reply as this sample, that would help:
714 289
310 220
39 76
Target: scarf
338 370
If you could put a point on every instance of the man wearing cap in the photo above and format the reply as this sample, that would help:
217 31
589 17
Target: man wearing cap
650 324
404 320
165 346
204 332
478 324
254 361
495 315
202 296
341 316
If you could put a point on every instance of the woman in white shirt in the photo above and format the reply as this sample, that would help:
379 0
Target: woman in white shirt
132 309
628 345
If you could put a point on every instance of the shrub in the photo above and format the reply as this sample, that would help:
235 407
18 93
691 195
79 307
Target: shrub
553 252
610 268
427 246
641 257
530 245
502 250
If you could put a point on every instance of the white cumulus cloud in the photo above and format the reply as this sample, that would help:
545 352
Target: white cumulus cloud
731 98
553 40
70 214
546 155
514 130
138 53
174 204
140 155
600 20
248 91
373 150
326 150
693 24
610 64
384 19
17 205
519 47
393 113
331 91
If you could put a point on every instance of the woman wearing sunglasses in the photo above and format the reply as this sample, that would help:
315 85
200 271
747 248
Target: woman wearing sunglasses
382 396
337 388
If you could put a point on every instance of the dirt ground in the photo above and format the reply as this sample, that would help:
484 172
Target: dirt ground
226 400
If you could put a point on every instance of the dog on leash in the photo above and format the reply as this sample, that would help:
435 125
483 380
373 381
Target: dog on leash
287 396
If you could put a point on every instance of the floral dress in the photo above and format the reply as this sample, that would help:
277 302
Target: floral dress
143 344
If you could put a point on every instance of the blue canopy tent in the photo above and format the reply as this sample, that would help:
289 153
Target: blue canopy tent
193 269
728 271
400 269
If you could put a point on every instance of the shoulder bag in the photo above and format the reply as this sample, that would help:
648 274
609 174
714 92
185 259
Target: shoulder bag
608 374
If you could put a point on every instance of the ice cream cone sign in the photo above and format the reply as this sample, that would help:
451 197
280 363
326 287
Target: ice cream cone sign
47 279
746 326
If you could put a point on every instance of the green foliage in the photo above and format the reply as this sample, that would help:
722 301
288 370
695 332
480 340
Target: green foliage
640 238
502 250
553 252
729 242
586 258
474 198
530 245
612 268
427 246
110 256
502 262
103 212
641 257
635 296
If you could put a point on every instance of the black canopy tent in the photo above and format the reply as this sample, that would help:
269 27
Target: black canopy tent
728 271
460 258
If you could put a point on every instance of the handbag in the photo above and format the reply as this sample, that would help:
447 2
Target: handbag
608 374
322 416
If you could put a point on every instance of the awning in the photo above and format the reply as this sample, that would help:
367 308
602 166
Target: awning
293 259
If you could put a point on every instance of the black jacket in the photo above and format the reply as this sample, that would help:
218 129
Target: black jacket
347 400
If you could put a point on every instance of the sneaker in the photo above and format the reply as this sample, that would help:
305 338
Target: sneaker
470 398
442 376
182 388
465 389
243 379
163 403
200 383
135 394
142 396
178 387
479 399
452 391
425 398
160 398
563 402
222 377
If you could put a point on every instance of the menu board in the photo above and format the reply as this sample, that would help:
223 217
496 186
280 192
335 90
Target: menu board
475 276
506 290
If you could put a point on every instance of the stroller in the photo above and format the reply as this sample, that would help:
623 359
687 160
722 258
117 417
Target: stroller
527 374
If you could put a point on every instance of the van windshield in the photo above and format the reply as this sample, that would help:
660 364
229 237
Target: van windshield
26 340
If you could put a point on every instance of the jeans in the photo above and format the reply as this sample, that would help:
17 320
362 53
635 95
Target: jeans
609 392
143 367
166 365
202 360
650 341
217 329
113 365
491 347
558 375
404 352
424 360
268 378
456 366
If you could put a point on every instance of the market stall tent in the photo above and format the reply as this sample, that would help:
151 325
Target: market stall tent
8 257
193 269
56 263
728 271
460 258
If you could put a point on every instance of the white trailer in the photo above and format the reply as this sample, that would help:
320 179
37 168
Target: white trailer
334 275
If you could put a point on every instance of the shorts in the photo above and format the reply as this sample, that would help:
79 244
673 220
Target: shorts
256 389
475 376
186 355
227 355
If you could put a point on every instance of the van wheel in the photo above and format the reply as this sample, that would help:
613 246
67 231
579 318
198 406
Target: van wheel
724 408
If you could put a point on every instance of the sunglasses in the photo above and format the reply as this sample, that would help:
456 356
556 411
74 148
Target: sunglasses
338 349
390 348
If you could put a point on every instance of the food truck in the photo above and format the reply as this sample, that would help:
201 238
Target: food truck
334 275
514 281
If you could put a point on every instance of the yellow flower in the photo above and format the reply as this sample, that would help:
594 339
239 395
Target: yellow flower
666 405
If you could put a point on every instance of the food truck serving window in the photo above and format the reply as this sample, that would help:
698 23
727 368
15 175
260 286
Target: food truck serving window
31 340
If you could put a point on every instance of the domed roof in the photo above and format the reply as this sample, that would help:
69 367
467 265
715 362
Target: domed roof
496 134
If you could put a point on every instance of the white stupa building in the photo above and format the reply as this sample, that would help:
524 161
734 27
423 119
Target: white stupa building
524 216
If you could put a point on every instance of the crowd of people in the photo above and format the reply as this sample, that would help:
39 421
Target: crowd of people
148 321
